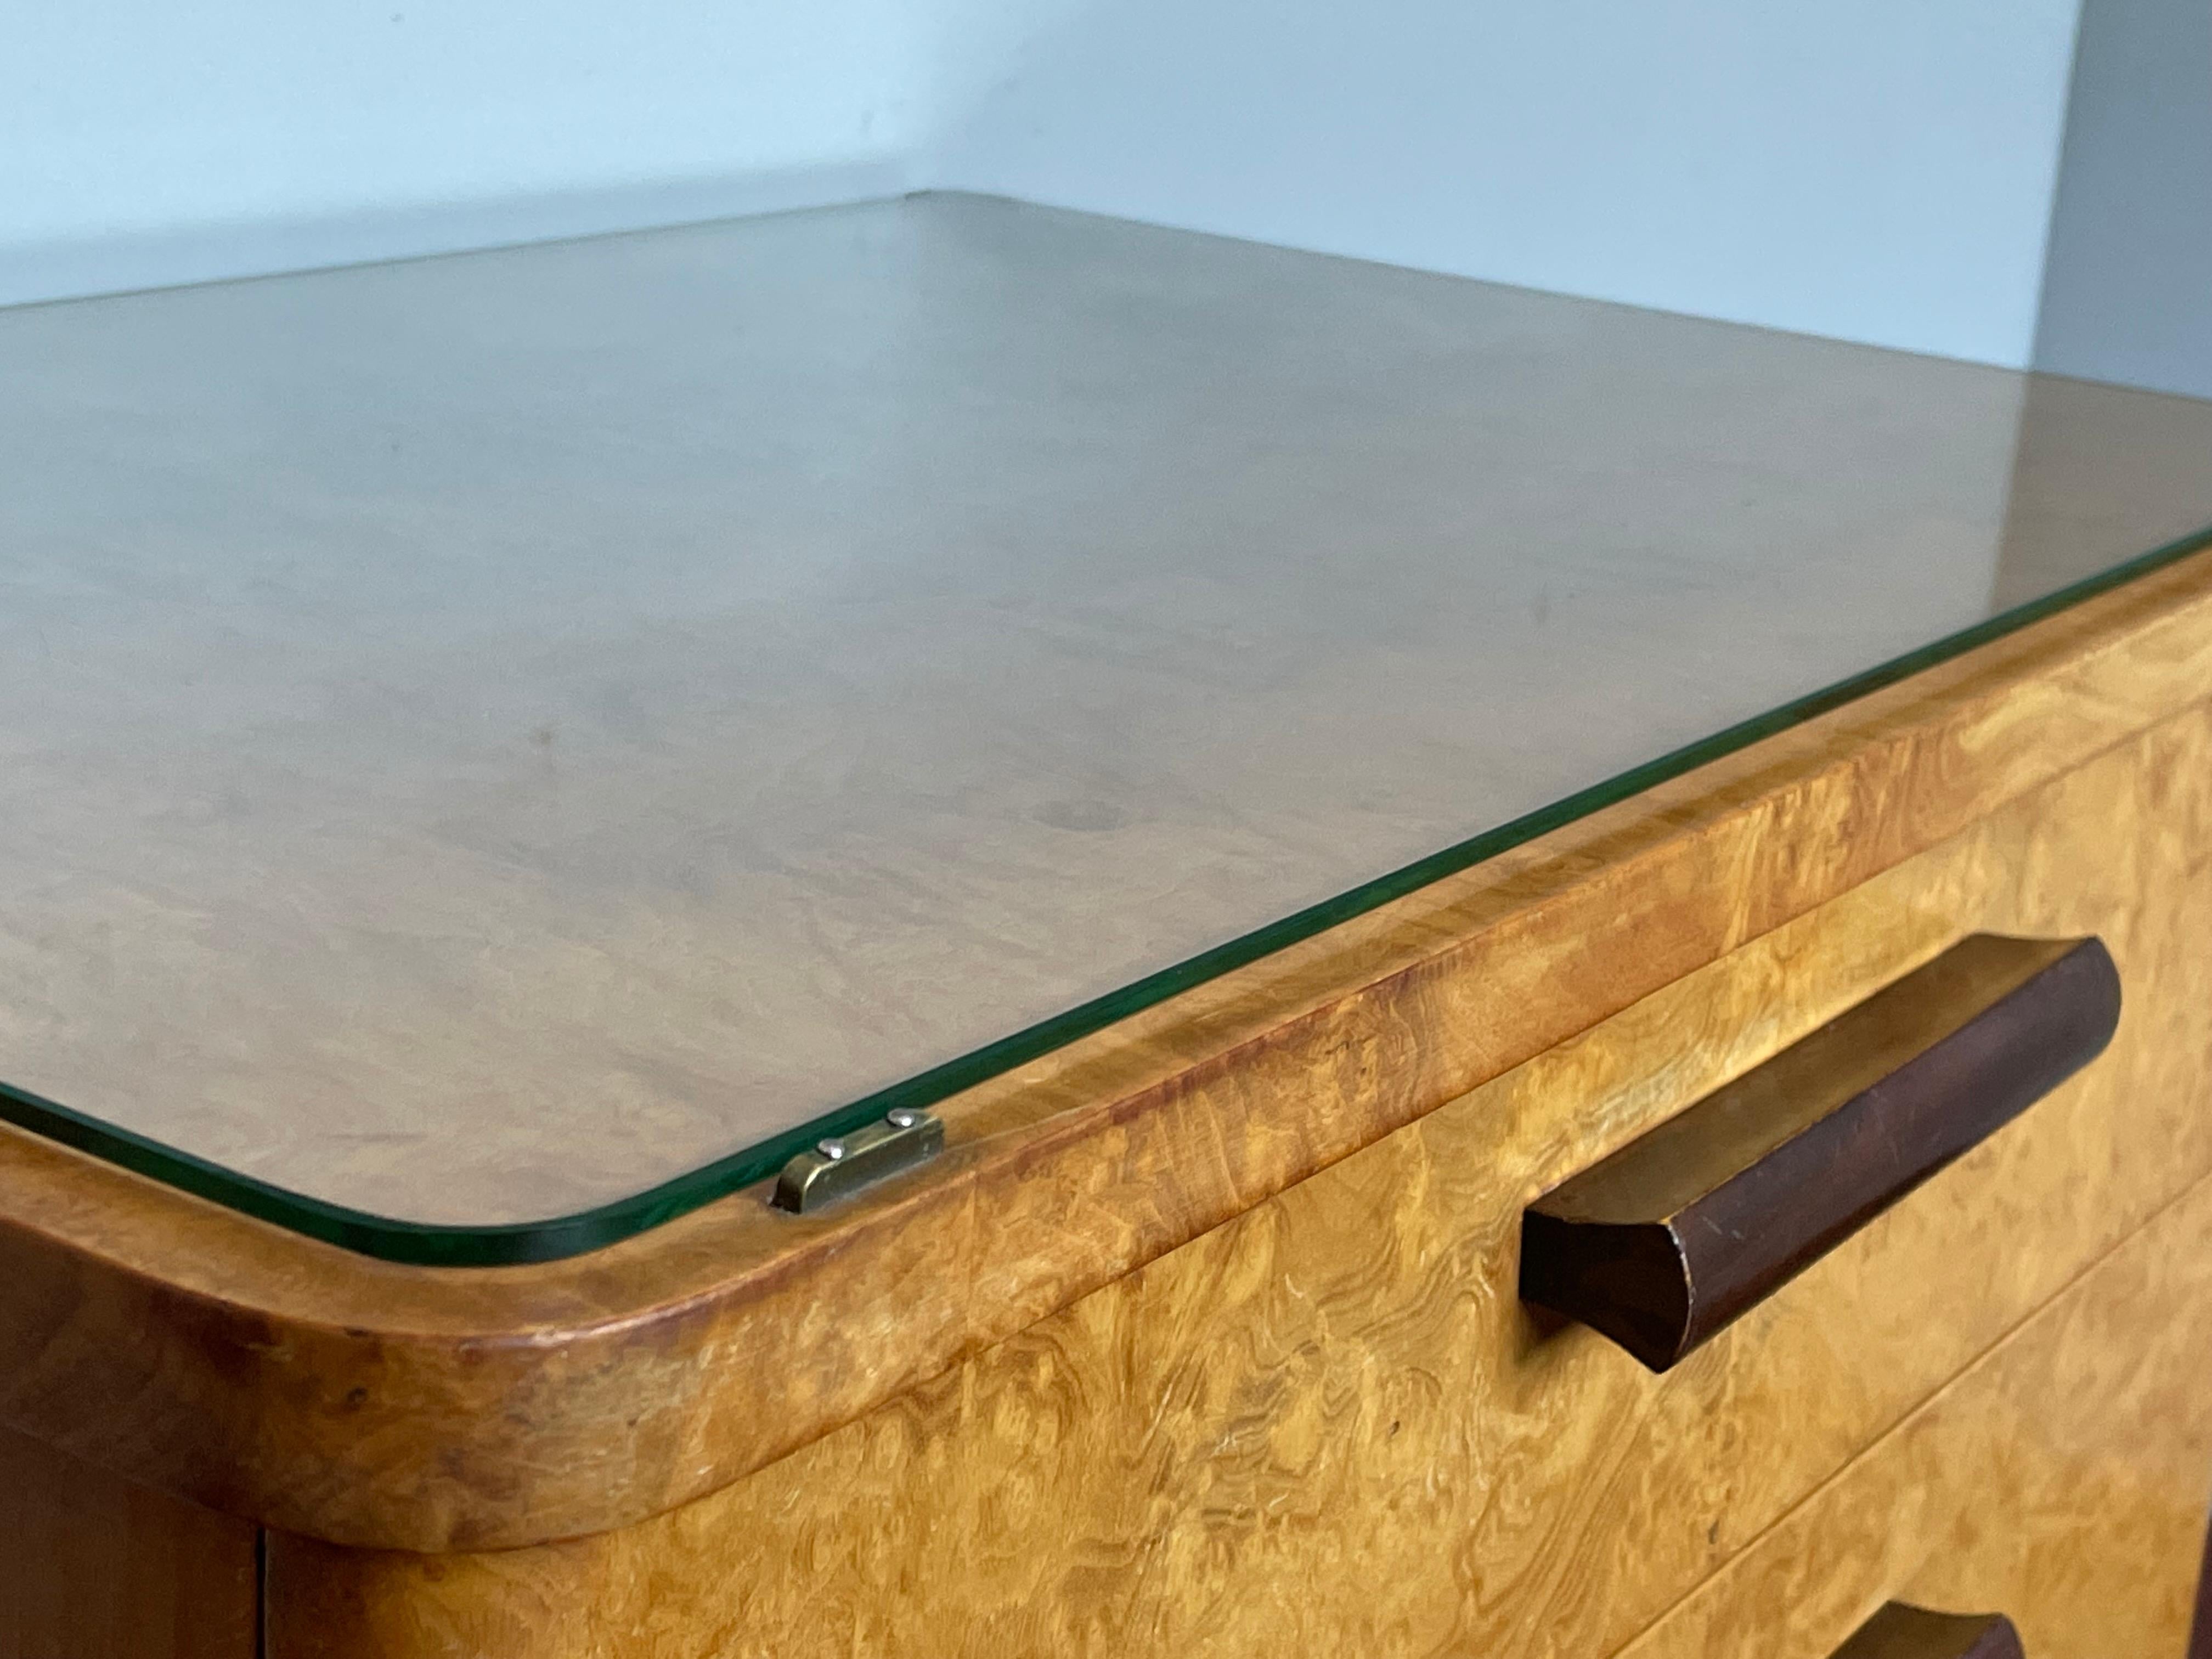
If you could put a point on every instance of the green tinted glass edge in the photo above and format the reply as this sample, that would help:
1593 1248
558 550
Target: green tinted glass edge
447 1245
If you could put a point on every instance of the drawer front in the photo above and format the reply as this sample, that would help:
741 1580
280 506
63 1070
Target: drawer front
1332 1425
2062 1479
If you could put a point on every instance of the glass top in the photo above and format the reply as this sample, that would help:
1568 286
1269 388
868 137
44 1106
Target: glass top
504 748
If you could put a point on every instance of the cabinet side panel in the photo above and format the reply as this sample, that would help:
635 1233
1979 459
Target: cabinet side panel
92 1566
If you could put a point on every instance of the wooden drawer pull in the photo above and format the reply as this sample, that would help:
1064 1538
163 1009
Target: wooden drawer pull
1684 1229
1900 1631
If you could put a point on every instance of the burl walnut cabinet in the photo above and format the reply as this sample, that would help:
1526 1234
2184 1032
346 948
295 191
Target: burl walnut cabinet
940 929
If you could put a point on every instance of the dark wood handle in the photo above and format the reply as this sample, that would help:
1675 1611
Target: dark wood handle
1686 1229
1899 1632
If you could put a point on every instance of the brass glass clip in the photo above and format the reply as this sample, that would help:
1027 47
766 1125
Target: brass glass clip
843 1165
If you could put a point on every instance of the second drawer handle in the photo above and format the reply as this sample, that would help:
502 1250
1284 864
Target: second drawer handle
1684 1229
1903 1631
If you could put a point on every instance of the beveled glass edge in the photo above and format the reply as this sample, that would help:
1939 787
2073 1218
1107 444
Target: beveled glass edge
443 1245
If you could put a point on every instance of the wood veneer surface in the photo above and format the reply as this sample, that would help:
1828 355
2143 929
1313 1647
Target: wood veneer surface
1329 1426
2063 1480
94 1567
375 1405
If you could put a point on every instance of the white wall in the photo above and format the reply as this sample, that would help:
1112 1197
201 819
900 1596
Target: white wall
1881 170
148 141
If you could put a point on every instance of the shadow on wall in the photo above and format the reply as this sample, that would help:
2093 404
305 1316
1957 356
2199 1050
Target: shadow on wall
2128 289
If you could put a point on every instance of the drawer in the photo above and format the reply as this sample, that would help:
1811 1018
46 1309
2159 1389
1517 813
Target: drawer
2062 1480
1331 1425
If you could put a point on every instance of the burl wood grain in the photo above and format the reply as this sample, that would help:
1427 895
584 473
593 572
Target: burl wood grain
2063 1480
92 1567
377 1405
1329 1426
